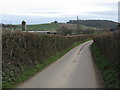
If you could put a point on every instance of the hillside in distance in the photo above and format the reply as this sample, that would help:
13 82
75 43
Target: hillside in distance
47 27
74 26
106 24
43 27
39 27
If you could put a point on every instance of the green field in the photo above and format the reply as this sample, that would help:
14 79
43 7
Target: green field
43 27
50 27
40 27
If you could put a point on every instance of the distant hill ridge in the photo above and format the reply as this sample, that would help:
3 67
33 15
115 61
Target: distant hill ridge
96 23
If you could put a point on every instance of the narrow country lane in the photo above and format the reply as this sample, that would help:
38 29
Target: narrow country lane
74 70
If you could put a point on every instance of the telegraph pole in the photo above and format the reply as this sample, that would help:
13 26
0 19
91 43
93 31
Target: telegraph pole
78 26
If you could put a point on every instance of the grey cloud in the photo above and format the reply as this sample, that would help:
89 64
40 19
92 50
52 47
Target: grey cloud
105 13
16 19
47 12
43 9
109 4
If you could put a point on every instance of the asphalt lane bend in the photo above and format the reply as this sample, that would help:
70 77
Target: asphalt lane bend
74 70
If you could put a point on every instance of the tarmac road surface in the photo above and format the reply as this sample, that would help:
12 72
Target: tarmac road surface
74 70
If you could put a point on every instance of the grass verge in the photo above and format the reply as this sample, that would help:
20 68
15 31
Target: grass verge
107 70
31 72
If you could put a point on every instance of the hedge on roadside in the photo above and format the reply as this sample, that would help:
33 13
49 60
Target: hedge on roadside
23 50
109 45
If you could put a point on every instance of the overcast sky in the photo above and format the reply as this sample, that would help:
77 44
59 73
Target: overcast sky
45 11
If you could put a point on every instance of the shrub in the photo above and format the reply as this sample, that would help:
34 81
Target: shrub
23 51
109 45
